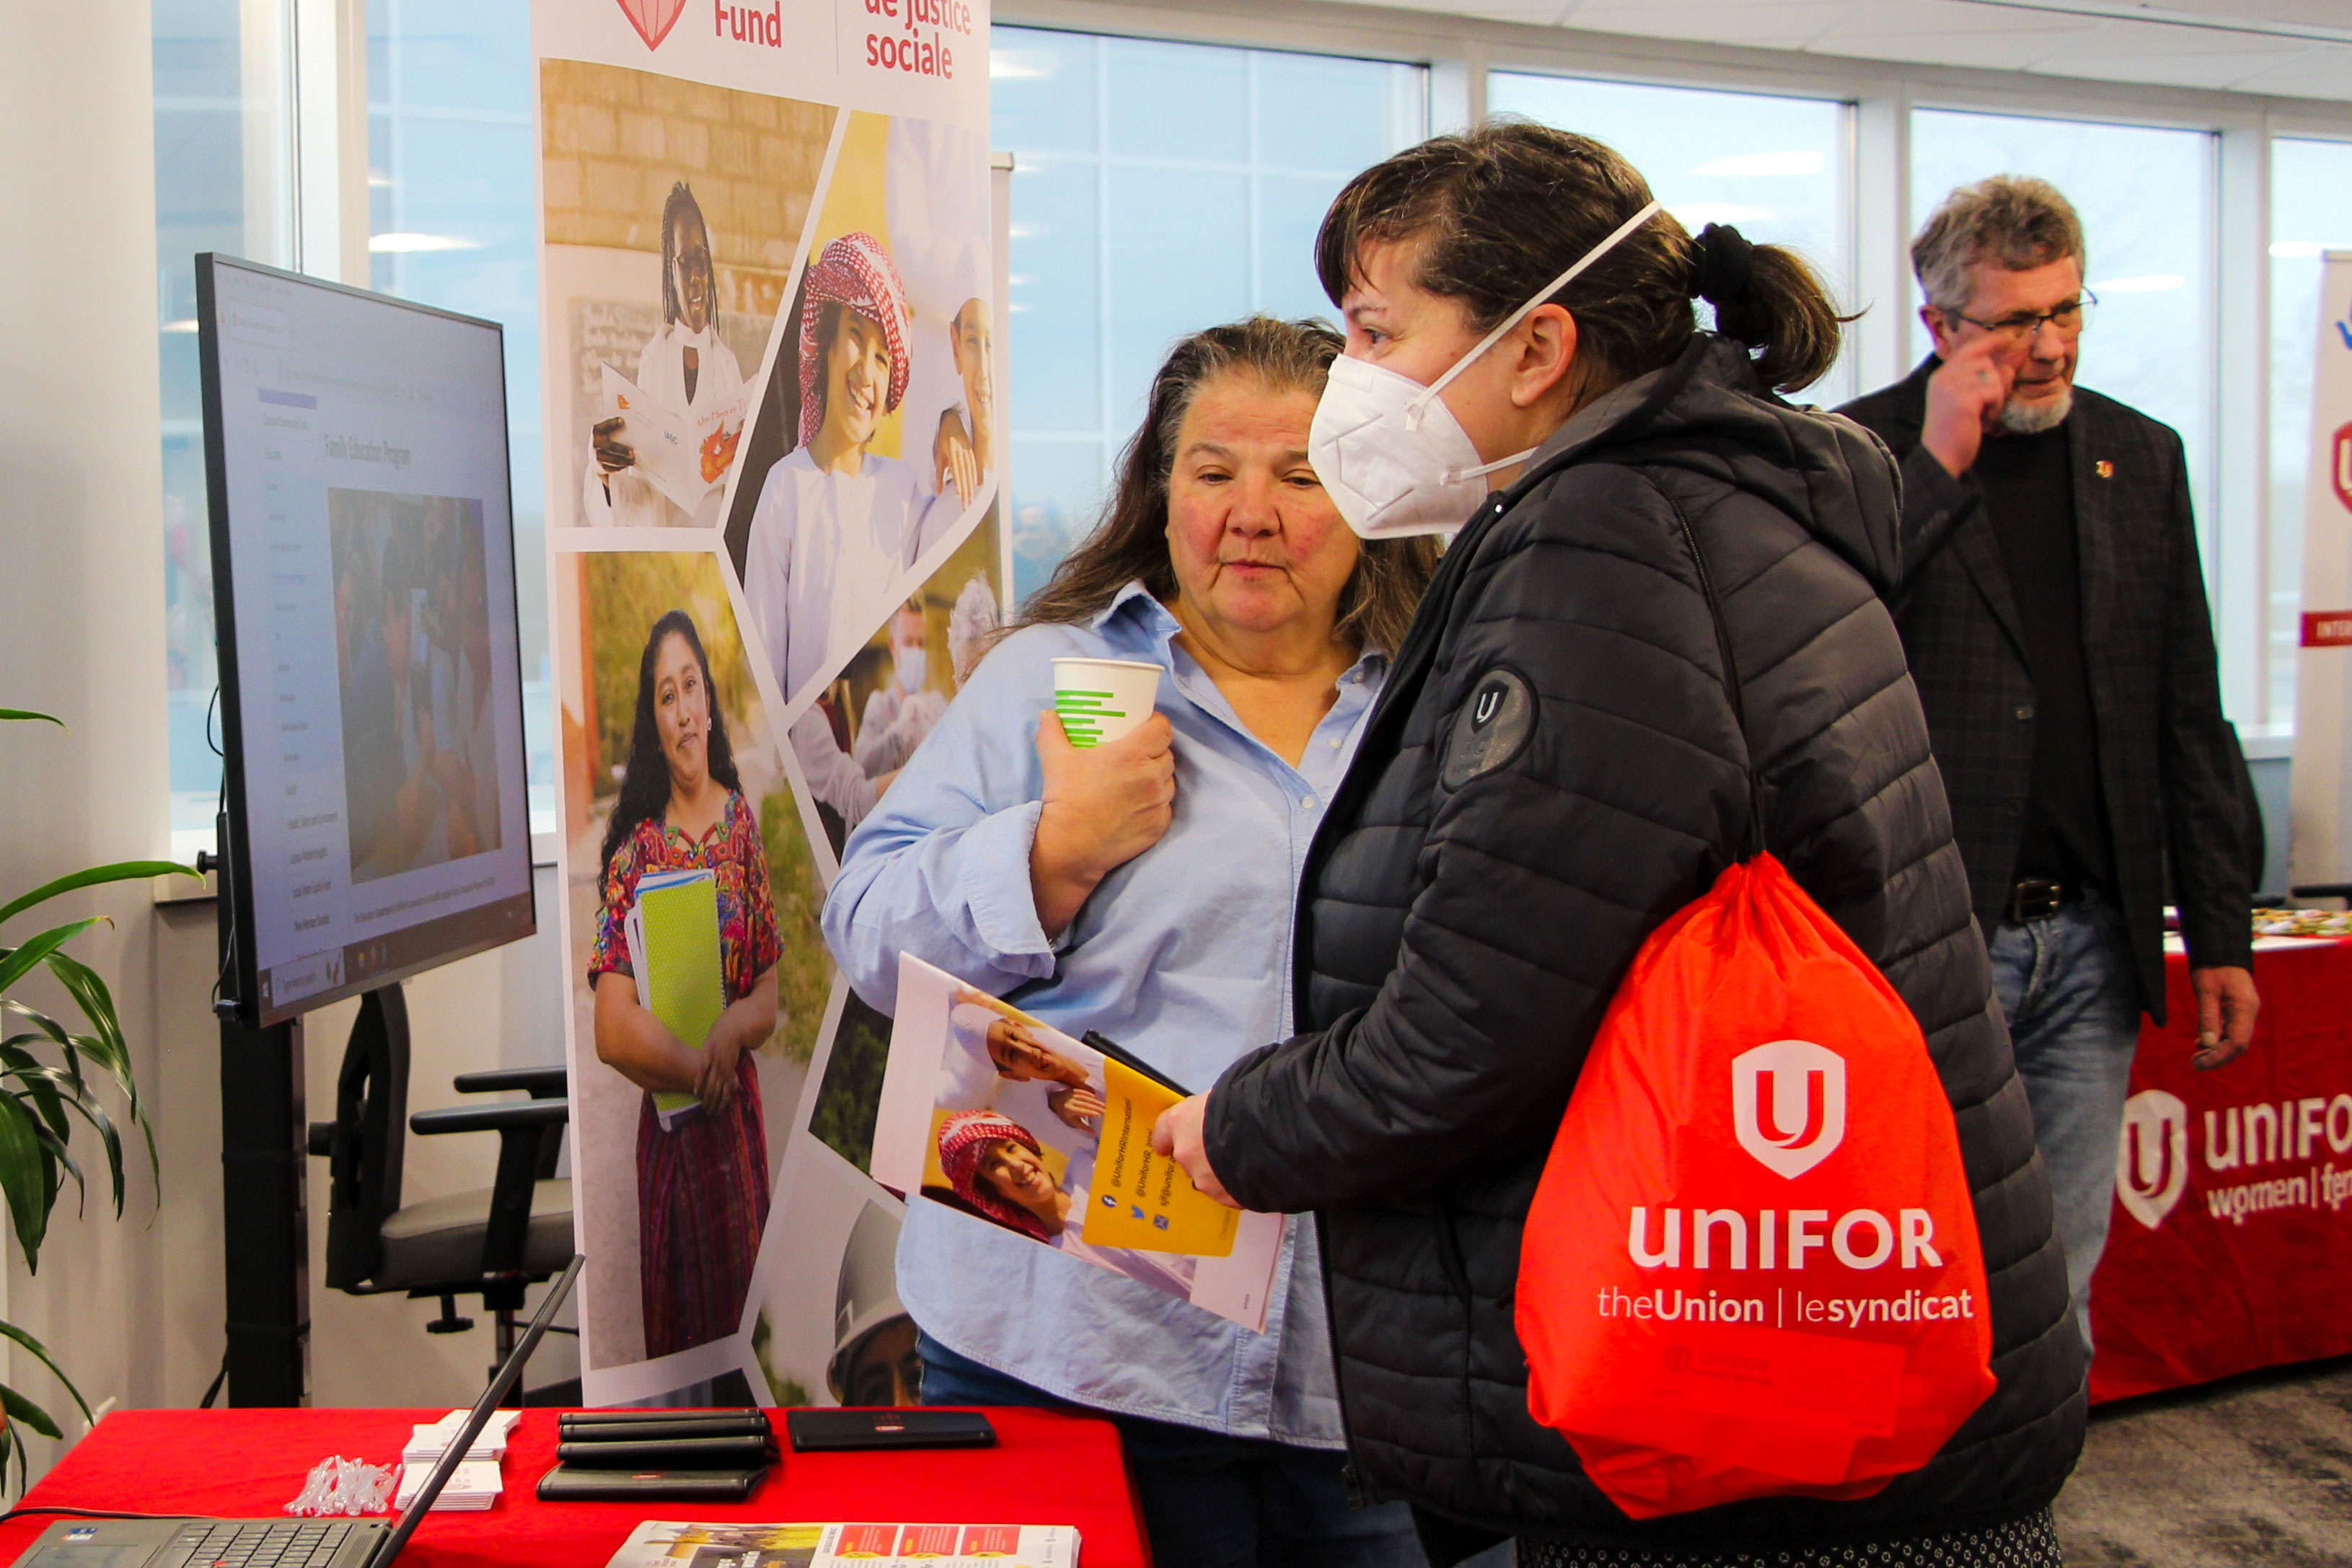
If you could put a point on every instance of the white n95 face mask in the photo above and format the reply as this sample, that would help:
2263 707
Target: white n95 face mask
1389 452
914 667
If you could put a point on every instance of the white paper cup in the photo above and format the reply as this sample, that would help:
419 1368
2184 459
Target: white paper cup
1102 699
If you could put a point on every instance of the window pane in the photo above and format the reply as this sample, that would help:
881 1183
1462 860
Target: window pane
221 184
1157 189
2308 215
451 222
2151 341
1775 168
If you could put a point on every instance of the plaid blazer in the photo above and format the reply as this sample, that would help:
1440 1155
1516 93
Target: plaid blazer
2168 763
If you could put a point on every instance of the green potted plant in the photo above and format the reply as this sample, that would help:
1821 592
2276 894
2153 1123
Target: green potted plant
50 1074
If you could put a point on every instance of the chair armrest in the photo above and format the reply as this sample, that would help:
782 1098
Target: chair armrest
548 1084
498 1118
544 1082
525 1128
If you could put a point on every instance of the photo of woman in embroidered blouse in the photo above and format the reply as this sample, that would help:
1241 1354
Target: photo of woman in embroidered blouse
702 1183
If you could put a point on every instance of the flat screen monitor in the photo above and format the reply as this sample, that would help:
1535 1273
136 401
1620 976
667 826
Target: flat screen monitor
363 591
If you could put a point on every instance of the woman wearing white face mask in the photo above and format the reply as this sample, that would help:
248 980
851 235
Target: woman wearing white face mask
1673 581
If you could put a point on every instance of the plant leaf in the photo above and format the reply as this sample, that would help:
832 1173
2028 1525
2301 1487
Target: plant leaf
103 1125
43 1355
16 963
41 1087
6 713
22 1409
54 1158
97 1002
115 1056
91 877
22 1178
50 1029
54 1155
42 1352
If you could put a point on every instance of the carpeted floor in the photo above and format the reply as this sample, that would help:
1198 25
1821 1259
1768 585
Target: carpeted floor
2254 1473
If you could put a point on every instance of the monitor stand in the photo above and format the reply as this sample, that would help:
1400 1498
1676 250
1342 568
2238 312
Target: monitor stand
264 1236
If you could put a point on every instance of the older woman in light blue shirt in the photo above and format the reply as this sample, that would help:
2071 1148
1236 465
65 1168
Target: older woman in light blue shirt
1144 888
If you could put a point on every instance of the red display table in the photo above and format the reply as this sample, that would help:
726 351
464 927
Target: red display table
2231 1246
1048 1469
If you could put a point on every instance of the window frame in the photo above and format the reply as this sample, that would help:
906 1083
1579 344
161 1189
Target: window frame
329 72
304 91
1118 404
1460 51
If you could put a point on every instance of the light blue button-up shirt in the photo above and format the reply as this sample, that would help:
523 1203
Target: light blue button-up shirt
1183 955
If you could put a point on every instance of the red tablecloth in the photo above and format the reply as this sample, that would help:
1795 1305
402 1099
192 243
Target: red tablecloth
1047 1468
2230 1246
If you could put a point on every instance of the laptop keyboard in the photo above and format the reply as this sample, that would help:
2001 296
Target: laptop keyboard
256 1543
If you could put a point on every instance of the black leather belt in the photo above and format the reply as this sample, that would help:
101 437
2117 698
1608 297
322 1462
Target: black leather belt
2038 898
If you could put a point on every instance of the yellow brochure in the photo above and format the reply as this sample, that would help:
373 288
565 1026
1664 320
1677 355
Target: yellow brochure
1141 1200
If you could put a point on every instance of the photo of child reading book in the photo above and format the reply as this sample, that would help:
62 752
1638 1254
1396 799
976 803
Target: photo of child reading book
996 1115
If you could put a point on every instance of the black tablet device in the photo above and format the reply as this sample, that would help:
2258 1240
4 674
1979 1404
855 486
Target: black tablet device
828 1431
669 1454
754 1426
568 1483
1129 1059
638 1415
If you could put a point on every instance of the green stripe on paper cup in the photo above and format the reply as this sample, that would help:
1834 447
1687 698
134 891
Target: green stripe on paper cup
1100 699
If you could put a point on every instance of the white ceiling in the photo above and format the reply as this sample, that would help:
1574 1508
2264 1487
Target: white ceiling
2300 49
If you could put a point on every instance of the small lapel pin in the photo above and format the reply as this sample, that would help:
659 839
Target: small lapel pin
2104 468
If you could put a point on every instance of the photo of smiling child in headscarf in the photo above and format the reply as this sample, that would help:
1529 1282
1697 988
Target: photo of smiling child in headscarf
1000 1171
837 526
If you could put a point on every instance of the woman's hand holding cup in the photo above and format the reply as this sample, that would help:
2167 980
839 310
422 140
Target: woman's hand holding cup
1103 805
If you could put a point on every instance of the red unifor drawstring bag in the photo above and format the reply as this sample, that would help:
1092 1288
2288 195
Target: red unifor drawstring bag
1751 1267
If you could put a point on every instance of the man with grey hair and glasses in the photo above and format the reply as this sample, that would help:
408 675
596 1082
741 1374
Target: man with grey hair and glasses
2053 612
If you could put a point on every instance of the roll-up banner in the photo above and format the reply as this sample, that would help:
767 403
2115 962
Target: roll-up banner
2320 831
771 297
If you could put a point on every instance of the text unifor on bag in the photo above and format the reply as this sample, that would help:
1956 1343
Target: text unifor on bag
1860 1239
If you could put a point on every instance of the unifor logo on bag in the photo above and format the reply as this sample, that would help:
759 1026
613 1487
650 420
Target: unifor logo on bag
1788 1104
2152 1155
1751 1267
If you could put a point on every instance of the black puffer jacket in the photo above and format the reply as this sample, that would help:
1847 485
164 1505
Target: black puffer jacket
1457 946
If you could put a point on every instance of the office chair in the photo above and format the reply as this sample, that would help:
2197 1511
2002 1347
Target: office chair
495 1241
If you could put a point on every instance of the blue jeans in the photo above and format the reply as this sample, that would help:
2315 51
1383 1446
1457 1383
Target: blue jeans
2072 993
1209 1500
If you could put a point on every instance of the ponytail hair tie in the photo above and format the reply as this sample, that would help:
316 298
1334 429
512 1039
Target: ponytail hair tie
1725 260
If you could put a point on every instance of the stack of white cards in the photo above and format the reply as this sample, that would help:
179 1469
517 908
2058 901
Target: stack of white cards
427 1444
476 1483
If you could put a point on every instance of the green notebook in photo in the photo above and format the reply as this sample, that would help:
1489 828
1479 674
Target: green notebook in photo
673 935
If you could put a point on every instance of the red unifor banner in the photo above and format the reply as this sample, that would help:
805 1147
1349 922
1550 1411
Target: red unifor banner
2230 1246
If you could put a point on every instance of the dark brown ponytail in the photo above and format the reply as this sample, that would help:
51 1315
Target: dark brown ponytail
1503 209
1783 311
